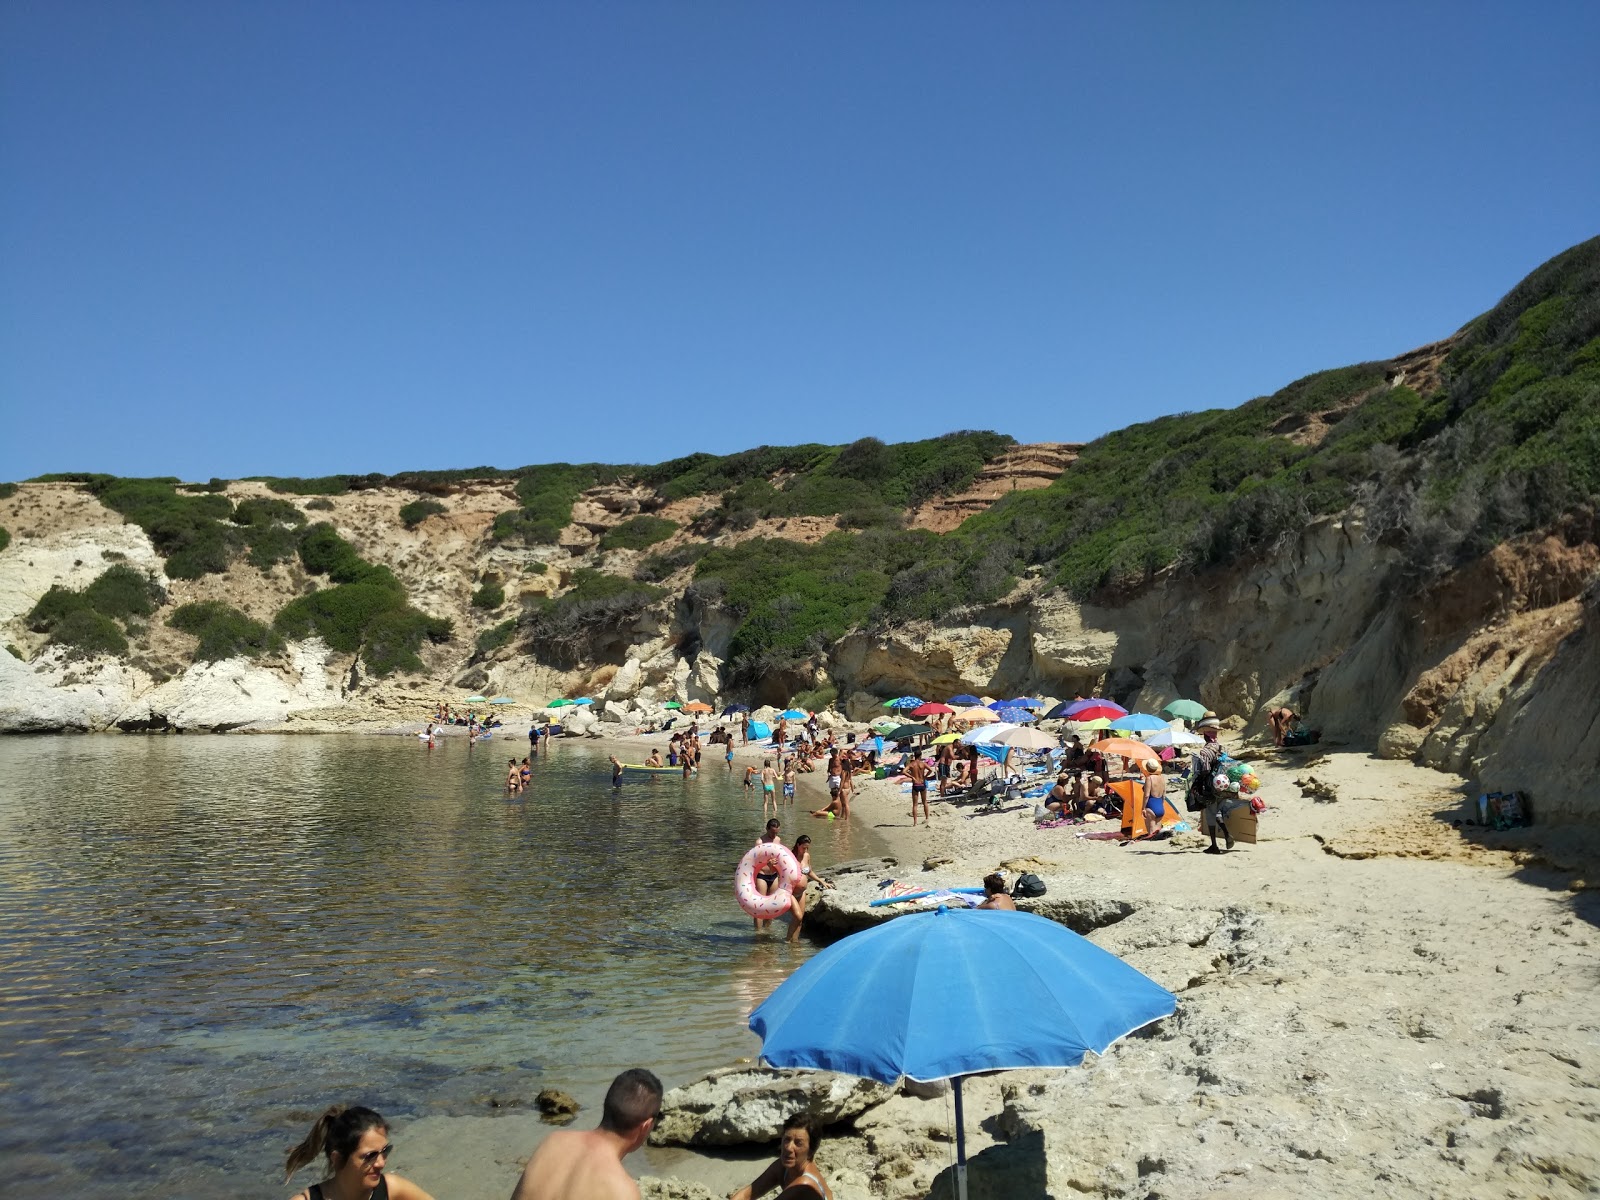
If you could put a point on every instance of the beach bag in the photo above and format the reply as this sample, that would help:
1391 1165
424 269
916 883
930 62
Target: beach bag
1028 886
1201 791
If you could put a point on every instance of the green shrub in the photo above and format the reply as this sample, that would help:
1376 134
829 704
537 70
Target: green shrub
88 632
637 533
223 631
491 640
536 568
657 567
816 699
55 606
320 504
5 537
366 611
123 592
325 485
414 513
547 494
489 594
7 490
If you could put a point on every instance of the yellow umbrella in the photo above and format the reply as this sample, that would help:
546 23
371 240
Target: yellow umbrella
976 716
944 738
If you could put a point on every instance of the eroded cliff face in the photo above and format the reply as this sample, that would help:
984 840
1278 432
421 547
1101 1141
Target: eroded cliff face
1488 672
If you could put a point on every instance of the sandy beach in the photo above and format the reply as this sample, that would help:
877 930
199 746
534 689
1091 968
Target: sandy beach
1370 1001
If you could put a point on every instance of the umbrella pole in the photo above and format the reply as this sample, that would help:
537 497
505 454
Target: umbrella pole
961 1144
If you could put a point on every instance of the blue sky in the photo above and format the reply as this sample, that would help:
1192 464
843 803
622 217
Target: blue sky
304 238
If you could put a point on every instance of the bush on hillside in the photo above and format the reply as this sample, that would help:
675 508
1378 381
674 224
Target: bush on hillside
597 608
7 490
223 631
87 633
657 567
366 611
414 513
123 592
500 635
816 699
5 537
325 485
320 504
490 593
638 532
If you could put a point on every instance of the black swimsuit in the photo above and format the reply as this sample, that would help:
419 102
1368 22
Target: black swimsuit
381 1192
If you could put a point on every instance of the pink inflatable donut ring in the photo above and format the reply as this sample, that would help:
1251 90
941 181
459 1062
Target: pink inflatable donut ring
767 858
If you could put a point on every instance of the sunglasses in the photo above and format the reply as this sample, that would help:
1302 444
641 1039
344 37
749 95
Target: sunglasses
372 1156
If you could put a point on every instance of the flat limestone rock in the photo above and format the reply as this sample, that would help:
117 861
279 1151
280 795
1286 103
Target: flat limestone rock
739 1105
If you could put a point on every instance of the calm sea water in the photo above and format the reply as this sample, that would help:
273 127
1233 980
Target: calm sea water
204 940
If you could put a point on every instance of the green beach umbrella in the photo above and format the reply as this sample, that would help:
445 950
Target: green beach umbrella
475 700
562 703
672 704
1189 710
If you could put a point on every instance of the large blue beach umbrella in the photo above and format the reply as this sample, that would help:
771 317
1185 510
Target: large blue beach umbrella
794 714
733 709
1139 723
969 701
945 994
1016 716
905 702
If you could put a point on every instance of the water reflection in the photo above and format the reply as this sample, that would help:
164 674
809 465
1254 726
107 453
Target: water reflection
207 939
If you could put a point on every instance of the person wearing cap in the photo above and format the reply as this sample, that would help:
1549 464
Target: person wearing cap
1205 766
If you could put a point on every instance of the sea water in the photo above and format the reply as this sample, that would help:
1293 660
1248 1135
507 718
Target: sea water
206 940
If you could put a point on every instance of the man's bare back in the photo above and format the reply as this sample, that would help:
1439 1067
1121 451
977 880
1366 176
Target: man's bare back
576 1165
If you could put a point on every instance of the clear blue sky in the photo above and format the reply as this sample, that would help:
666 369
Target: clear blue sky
302 237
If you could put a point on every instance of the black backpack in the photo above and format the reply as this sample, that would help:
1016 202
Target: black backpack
1028 885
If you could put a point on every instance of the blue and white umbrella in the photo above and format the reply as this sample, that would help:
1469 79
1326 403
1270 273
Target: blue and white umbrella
905 702
950 993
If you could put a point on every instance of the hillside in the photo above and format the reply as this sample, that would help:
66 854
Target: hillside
1404 550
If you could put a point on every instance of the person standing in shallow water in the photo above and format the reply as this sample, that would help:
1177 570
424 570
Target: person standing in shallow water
356 1144
587 1165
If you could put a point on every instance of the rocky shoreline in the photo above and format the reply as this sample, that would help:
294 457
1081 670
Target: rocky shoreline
1366 998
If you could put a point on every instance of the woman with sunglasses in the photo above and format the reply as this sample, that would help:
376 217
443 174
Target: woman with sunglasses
356 1143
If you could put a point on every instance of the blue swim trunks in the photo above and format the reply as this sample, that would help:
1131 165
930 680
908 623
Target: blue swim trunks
788 791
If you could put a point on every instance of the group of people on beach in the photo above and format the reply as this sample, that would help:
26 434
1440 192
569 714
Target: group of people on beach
569 1164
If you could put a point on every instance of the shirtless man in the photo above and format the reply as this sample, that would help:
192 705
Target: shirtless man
587 1165
917 772
769 786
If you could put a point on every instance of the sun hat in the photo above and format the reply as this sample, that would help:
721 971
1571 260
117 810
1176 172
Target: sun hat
1209 721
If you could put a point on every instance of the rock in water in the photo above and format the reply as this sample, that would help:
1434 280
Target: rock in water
556 1107
750 1104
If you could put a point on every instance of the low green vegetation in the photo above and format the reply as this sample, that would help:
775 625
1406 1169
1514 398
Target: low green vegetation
493 639
5 537
197 532
223 631
656 567
87 620
418 511
365 611
490 594
319 504
816 699
638 533
7 490
547 494
597 608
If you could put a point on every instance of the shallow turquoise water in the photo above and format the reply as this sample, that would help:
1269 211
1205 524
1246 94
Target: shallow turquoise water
204 940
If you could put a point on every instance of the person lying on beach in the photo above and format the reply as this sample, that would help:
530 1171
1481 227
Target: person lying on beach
355 1141
995 895
794 1173
573 1164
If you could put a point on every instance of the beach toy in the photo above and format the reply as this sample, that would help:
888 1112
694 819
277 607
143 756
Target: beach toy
768 857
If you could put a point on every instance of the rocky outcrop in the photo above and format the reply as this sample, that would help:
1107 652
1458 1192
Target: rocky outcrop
750 1104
